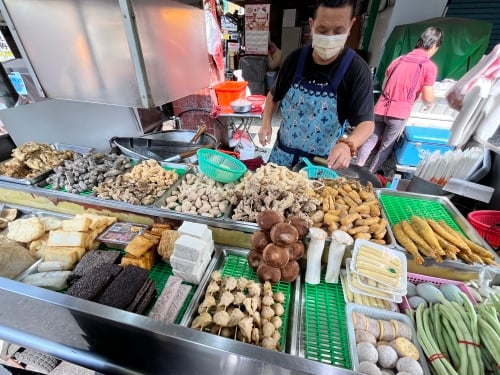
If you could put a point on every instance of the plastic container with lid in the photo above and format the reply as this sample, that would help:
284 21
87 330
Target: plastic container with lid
118 235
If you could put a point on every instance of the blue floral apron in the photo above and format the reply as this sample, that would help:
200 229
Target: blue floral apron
310 124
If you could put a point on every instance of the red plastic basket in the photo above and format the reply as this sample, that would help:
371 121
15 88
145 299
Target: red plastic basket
487 224
416 279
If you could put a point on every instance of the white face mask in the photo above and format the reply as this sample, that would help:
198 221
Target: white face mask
328 46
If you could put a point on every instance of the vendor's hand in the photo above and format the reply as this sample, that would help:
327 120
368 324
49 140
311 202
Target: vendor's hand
340 156
265 133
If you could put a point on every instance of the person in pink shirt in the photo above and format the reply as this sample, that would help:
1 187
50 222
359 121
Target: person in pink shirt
407 77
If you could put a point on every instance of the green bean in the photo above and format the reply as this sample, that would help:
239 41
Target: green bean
452 341
490 339
462 335
436 320
429 346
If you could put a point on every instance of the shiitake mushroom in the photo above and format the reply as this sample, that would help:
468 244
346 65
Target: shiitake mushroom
254 259
267 219
290 271
267 273
296 250
301 225
260 240
283 234
275 256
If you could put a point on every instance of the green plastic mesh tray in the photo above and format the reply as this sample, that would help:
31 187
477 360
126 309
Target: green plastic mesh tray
403 208
326 338
160 273
237 266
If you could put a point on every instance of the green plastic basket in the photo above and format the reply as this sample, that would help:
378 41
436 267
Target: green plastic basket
315 172
219 166
326 338
237 266
403 208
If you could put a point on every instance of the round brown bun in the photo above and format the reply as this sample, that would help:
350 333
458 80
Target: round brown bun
296 250
254 259
260 240
290 271
266 219
284 234
267 273
275 256
301 225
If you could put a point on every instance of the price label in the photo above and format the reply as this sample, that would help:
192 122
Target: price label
18 83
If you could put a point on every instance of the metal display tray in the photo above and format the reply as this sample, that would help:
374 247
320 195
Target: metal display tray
24 213
445 211
26 181
241 269
161 202
43 175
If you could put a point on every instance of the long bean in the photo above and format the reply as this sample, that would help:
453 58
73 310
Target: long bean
452 343
474 330
463 335
429 346
438 334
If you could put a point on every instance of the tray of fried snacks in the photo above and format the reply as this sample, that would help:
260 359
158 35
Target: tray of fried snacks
197 194
431 229
32 162
232 303
348 205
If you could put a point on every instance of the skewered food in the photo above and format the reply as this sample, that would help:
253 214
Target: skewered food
248 312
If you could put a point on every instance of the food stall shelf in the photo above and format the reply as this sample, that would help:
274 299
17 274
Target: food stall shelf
324 328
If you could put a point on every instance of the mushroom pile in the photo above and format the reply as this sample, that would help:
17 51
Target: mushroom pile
241 309
277 246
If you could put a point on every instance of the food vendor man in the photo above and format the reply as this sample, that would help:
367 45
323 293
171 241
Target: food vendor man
319 88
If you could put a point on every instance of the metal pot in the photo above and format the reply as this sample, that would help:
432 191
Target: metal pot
182 136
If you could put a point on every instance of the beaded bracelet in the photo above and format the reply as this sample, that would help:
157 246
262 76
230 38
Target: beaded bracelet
348 143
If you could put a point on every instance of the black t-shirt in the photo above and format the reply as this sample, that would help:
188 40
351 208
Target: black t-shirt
354 94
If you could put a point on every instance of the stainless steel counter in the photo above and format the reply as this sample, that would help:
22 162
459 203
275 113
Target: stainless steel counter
114 341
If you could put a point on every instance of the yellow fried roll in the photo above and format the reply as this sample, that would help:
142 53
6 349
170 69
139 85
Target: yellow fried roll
423 228
407 243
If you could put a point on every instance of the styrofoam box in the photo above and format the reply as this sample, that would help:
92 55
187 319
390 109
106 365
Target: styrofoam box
383 251
381 315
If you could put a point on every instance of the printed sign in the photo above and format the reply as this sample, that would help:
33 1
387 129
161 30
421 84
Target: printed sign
18 83
5 52
257 28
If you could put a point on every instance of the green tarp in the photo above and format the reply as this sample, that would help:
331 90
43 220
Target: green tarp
465 42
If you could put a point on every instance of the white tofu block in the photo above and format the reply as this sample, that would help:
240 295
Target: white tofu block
185 265
200 231
189 248
193 278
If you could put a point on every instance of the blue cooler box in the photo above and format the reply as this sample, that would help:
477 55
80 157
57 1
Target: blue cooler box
416 141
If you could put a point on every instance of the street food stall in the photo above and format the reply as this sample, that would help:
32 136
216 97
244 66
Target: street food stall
123 261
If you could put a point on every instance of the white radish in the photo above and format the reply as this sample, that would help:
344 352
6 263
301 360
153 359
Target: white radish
314 252
340 240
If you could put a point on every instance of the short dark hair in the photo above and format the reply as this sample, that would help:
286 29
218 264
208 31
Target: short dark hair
334 4
432 36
